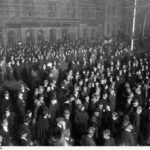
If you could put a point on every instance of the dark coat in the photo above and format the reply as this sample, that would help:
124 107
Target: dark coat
80 123
112 102
24 142
43 130
21 105
128 138
87 141
6 137
109 142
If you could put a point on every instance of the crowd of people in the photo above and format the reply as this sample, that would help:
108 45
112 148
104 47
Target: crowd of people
74 93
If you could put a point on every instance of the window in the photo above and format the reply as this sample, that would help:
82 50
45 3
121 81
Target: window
28 8
85 13
114 27
98 12
52 9
73 10
109 10
68 10
114 11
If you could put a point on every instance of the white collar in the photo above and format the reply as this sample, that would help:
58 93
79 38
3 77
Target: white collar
23 138
128 130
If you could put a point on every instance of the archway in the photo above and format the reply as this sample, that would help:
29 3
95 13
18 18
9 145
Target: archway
93 34
40 36
30 36
52 35
85 33
64 34
11 37
1 40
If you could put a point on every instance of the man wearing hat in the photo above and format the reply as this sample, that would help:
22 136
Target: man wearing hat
108 140
115 125
67 119
5 103
112 100
87 140
53 108
127 135
21 106
80 121
43 128
23 139
4 133
24 127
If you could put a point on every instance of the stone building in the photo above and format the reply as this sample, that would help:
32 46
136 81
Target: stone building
50 19
34 20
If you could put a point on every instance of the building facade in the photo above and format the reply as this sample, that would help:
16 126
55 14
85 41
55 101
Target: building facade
50 20
34 20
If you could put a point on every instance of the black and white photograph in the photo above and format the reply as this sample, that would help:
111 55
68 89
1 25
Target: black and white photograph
74 73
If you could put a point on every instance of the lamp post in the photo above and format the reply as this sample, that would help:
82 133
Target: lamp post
144 24
133 26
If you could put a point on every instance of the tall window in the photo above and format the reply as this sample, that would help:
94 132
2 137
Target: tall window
109 10
73 10
68 10
114 11
52 9
108 29
28 8
98 12
114 27
85 13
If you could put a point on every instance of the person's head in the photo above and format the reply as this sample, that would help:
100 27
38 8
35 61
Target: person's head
1 139
22 88
96 113
5 122
127 125
80 82
45 82
87 98
29 114
7 112
138 90
61 123
139 110
41 89
105 95
91 131
36 91
6 94
24 134
106 134
115 116
20 95
135 103
67 113
112 92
